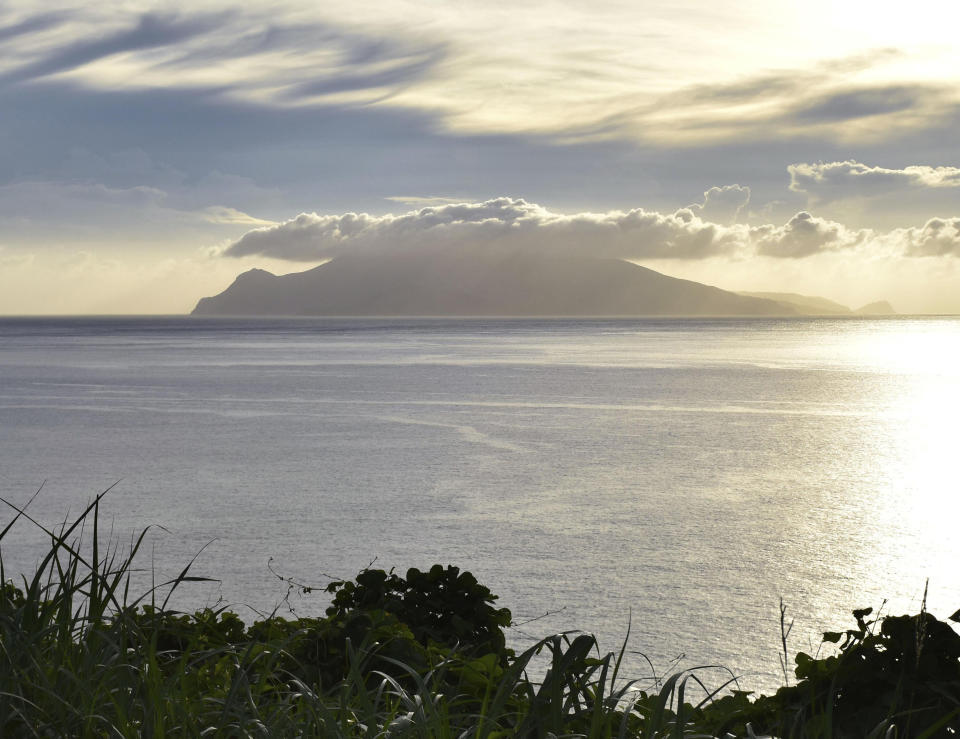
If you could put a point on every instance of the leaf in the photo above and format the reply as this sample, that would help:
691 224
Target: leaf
955 617
832 636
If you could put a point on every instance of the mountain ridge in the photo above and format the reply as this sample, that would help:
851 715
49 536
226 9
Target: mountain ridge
816 306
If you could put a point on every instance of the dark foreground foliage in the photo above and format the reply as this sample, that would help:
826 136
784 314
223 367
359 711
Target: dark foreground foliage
422 655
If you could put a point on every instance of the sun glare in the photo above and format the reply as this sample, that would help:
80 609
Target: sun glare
915 450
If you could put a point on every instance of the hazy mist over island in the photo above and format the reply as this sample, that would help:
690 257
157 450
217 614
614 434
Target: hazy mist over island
151 155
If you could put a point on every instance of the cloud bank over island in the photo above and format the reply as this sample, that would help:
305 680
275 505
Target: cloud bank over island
501 223
513 224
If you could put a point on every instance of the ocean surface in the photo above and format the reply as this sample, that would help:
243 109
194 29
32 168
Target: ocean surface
679 476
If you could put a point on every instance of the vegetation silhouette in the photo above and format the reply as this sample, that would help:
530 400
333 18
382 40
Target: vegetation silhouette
422 655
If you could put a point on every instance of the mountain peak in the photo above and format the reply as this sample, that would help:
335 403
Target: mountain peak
253 274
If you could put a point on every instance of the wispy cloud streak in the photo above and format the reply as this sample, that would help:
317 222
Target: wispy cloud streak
497 68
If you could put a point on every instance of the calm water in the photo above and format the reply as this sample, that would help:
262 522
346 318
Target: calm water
686 474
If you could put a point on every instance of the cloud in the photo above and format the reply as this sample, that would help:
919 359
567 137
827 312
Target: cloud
938 237
501 223
256 55
583 76
515 224
805 235
722 204
845 105
227 215
512 224
825 181
149 31
838 101
386 70
31 25
422 200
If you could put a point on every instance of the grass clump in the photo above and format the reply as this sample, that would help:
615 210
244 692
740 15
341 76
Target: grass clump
417 656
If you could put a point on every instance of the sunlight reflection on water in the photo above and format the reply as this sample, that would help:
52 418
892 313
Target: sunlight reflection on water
687 472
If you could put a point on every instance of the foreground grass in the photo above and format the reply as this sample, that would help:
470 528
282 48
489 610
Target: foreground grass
416 656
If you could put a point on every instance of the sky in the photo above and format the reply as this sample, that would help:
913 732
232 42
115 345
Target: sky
148 155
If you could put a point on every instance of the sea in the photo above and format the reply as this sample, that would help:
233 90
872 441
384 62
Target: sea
663 484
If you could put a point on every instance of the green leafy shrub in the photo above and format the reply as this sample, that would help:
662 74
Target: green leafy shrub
898 674
443 605
323 651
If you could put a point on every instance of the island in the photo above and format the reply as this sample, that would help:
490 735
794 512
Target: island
446 283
